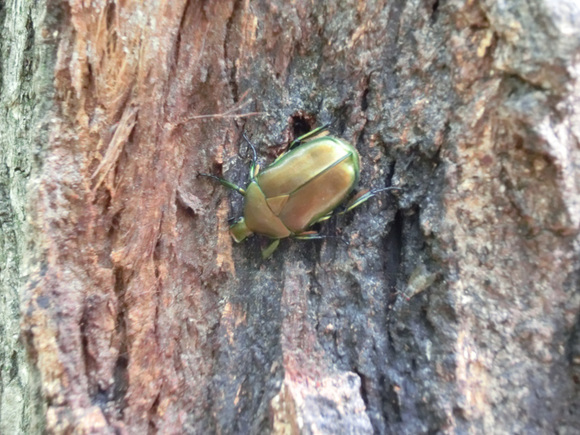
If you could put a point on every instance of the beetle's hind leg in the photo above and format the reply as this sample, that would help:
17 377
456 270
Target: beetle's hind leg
225 183
313 235
312 134
364 196
324 218
269 250
309 235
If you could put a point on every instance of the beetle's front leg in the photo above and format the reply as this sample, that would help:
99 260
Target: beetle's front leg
225 183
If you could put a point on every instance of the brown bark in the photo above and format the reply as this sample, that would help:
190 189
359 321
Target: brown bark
455 306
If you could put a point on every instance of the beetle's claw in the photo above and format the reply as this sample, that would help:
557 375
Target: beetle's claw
384 189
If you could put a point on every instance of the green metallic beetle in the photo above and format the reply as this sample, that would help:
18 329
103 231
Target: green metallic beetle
301 188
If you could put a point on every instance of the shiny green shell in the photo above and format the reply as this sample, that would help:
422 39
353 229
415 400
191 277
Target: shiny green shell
300 188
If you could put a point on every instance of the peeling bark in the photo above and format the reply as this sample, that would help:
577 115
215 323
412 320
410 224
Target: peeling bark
455 306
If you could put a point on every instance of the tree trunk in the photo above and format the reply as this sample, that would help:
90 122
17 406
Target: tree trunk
455 306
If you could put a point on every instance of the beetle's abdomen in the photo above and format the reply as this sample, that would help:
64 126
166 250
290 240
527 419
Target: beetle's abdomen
319 196
309 182
259 217
303 164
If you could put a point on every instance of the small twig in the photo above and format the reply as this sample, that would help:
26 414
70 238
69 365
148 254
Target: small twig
228 114
223 115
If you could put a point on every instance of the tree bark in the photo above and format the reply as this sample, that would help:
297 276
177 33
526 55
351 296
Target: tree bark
454 307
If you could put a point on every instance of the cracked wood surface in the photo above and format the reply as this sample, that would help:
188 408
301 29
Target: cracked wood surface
454 307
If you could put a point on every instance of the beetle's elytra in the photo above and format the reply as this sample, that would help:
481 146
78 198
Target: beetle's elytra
302 187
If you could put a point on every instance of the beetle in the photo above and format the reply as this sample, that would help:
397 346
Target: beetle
302 187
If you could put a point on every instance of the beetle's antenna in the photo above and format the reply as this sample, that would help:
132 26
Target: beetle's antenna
255 156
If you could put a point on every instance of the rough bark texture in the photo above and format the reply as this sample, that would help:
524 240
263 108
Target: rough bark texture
455 306
26 83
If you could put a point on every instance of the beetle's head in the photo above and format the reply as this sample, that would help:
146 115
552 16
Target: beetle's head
240 231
